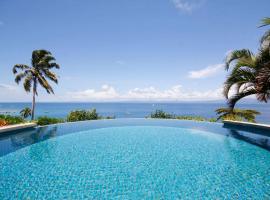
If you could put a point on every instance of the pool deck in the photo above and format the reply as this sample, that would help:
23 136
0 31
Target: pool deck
247 124
16 127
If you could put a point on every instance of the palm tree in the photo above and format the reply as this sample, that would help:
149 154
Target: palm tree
250 73
37 74
236 114
26 112
250 76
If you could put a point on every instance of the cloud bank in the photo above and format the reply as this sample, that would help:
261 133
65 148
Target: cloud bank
107 93
175 93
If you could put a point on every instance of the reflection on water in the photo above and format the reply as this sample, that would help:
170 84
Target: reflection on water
34 136
255 137
14 141
17 141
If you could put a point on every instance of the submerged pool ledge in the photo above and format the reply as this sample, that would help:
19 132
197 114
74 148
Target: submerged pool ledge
247 124
16 127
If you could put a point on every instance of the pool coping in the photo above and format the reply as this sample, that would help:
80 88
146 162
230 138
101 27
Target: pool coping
247 124
17 127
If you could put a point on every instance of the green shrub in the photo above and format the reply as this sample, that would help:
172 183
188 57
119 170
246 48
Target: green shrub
161 115
10 120
82 115
237 114
196 118
42 121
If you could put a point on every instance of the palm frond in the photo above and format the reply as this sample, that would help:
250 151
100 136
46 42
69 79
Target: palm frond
44 83
236 114
19 77
265 37
19 67
28 83
265 22
235 55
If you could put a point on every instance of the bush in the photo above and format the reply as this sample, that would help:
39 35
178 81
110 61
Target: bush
161 115
10 120
42 121
237 114
82 115
196 118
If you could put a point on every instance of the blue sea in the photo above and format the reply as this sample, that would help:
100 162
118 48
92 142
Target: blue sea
134 110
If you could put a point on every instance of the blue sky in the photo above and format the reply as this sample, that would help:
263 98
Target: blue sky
128 50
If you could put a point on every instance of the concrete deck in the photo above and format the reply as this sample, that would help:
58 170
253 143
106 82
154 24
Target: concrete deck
17 127
247 124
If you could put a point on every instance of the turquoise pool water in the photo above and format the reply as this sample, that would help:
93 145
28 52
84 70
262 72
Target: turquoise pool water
134 161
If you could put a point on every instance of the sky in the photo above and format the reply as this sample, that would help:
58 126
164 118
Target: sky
128 50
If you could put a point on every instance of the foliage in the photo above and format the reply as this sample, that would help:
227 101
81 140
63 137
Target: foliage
237 114
26 112
42 121
250 74
82 115
38 74
10 120
265 22
163 115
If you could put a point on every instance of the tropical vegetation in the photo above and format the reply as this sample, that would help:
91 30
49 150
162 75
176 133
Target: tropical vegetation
250 74
37 74
160 114
237 114
82 115
44 120
10 120
26 112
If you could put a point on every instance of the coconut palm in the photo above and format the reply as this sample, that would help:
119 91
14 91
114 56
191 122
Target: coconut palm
26 112
236 114
38 74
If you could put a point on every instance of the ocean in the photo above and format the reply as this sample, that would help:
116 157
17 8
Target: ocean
134 110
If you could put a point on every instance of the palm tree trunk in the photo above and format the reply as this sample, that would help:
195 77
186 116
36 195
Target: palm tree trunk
34 100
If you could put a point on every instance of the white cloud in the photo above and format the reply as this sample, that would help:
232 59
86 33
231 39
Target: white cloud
187 5
175 93
206 72
11 93
105 93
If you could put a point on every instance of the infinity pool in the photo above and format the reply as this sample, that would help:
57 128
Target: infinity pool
135 159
